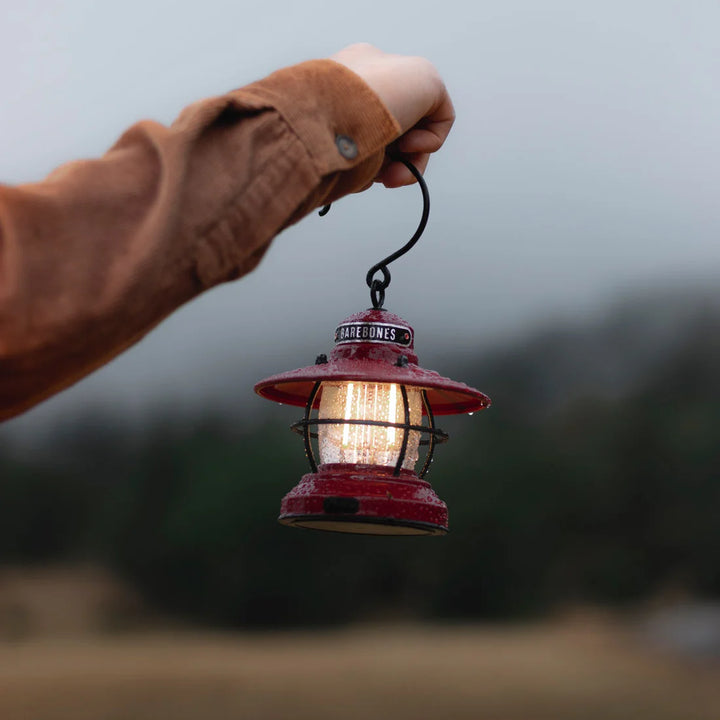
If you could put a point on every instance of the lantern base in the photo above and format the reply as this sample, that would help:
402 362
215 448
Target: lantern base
365 500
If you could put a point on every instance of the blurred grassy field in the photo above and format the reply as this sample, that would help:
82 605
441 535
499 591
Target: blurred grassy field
580 670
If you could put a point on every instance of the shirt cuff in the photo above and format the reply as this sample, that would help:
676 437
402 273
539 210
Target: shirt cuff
339 119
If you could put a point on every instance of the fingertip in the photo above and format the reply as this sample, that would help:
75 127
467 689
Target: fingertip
396 174
420 140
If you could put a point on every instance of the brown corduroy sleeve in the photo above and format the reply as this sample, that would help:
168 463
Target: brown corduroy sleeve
101 251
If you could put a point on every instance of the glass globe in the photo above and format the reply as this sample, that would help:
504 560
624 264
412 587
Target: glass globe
367 444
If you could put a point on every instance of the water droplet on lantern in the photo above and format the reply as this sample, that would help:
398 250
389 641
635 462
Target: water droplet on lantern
472 413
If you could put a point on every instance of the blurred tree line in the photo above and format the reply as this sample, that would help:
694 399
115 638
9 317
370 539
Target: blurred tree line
595 477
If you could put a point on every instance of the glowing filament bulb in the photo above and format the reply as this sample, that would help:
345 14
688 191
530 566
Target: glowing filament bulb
392 412
364 444
348 413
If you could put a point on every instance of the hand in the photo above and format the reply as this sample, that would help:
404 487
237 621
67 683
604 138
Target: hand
413 91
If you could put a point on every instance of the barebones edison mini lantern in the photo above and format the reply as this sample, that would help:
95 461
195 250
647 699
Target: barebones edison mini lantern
370 407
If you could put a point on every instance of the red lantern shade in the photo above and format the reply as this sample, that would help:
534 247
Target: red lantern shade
371 397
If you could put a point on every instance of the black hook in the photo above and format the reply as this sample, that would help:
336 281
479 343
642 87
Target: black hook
378 287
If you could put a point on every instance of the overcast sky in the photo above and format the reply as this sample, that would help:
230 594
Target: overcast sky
584 165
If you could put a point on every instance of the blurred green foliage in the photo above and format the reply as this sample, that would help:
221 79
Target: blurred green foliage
566 490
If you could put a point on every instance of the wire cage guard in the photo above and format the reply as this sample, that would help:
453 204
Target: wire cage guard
435 435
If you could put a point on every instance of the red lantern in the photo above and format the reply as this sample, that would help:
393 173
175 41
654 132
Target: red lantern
375 408
370 407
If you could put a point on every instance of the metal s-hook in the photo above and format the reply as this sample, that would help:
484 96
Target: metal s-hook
377 286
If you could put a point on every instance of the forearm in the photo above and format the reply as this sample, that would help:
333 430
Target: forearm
100 252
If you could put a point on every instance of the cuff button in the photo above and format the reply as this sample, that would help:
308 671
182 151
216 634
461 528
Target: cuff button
347 147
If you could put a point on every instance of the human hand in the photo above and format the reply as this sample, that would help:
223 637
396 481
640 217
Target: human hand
414 93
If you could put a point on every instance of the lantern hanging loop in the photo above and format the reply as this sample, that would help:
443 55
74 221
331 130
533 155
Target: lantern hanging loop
377 286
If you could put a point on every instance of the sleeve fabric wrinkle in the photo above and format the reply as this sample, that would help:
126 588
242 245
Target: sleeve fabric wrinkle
101 251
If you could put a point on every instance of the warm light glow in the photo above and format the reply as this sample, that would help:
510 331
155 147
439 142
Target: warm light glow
368 444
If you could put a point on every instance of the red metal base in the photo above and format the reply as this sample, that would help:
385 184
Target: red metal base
365 499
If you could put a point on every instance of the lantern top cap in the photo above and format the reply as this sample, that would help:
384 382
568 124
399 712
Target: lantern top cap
373 346
376 326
